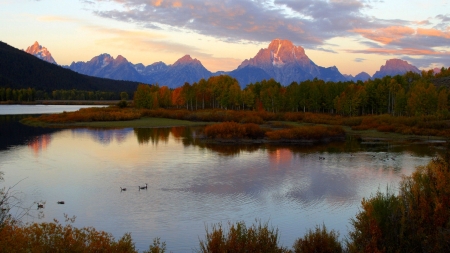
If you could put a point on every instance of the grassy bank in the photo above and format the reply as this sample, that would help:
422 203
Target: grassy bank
144 122
368 128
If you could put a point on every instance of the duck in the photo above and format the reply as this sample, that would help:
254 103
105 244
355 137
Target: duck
123 189
61 202
40 205
143 187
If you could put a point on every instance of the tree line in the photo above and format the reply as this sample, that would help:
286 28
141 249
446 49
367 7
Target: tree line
411 94
31 94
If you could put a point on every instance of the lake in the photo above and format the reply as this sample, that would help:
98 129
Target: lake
192 185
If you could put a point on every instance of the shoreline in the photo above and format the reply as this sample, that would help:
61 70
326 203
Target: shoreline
64 102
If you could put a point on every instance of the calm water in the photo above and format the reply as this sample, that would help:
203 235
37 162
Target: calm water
192 185
40 109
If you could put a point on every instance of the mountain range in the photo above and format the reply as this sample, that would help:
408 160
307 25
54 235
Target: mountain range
20 70
281 60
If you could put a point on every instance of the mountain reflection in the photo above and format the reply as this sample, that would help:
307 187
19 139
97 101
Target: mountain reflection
13 133
104 136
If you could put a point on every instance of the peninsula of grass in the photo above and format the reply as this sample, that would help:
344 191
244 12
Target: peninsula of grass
144 122
367 127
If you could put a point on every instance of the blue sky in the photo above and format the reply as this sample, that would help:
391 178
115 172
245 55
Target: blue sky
353 35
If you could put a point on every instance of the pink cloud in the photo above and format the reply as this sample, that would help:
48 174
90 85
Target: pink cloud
433 32
386 35
402 51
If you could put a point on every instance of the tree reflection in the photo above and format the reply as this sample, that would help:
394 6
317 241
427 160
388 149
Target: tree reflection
189 136
153 135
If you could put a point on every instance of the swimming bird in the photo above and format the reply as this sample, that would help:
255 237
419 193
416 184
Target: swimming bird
40 205
143 187
61 202
123 189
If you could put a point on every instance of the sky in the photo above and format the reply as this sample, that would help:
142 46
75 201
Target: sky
353 35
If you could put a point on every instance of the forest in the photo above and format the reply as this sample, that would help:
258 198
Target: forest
411 94
30 95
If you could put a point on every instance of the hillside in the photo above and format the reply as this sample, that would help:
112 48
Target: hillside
19 70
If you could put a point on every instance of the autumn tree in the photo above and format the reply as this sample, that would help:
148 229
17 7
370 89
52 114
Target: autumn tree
143 97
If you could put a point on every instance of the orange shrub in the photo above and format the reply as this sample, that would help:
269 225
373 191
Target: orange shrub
54 237
90 114
233 130
306 133
386 128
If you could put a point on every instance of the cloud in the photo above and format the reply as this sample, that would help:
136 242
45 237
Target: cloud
308 23
429 62
359 59
386 35
400 51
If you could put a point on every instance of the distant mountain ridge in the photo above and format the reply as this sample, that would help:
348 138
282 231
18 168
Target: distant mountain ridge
395 67
20 70
281 60
183 70
40 52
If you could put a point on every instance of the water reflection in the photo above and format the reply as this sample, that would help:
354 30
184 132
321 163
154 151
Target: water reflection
104 136
153 135
13 133
192 183
39 143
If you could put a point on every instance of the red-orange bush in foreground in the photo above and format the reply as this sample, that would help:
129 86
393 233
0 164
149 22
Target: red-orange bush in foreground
306 133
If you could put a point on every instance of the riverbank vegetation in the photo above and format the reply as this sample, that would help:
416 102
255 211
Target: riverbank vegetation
415 219
251 131
370 126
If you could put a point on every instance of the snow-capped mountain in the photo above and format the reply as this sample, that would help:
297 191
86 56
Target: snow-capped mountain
284 62
395 67
40 52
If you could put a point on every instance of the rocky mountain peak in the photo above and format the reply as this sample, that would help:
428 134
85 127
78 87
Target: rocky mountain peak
278 54
396 64
40 52
395 67
121 59
187 59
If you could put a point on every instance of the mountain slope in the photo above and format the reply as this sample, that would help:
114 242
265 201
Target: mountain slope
395 67
285 62
19 69
183 70
40 52
106 66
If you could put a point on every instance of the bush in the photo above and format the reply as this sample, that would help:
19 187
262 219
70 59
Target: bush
122 104
233 130
416 220
319 241
306 133
240 238
54 237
